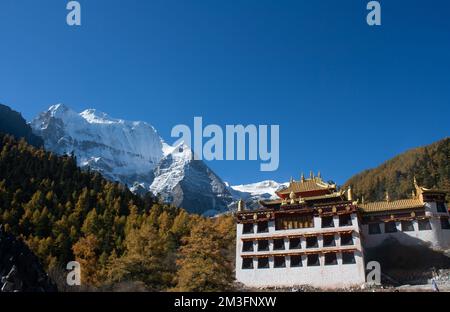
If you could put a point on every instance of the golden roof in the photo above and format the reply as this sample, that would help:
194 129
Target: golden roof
307 185
400 204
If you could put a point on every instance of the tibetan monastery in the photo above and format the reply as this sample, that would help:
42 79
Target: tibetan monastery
315 234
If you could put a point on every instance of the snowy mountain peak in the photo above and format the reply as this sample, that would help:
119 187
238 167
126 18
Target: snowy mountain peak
60 111
121 150
252 193
133 153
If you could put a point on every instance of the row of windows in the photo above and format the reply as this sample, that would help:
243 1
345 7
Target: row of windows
295 222
406 226
295 243
296 261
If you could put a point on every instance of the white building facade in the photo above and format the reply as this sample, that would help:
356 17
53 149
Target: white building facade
315 235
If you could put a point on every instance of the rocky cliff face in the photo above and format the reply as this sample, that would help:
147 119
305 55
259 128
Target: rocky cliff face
20 269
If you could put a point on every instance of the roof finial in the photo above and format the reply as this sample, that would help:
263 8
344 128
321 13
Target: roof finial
311 174
413 195
362 199
349 193
415 182
302 177
319 175
387 196
241 205
292 180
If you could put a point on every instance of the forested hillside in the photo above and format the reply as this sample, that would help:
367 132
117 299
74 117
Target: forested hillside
430 165
64 213
12 122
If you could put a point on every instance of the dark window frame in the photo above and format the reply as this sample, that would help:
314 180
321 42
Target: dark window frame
371 228
310 262
266 244
292 246
407 226
390 227
327 259
308 241
249 267
298 264
347 221
246 248
329 222
246 230
440 207
424 225
264 265
277 264
445 224
346 255
347 239
278 241
332 240
263 227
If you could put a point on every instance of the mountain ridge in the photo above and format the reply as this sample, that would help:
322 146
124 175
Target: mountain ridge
12 122
133 153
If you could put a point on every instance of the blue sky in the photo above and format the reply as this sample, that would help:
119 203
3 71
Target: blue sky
346 96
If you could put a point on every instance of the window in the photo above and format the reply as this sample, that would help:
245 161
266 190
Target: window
330 259
294 222
374 228
263 263
440 206
348 258
346 239
278 244
248 228
407 226
279 262
247 246
313 260
311 242
390 227
445 225
327 222
295 243
328 241
263 227
345 220
247 263
424 225
263 245
296 261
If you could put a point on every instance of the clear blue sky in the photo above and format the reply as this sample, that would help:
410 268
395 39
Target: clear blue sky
346 96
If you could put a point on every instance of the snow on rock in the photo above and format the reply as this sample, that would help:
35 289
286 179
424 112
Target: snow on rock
254 192
132 152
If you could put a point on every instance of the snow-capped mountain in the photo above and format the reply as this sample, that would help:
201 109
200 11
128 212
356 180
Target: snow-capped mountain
133 153
178 174
121 150
254 192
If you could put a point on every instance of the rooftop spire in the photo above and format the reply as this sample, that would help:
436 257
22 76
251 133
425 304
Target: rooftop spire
349 194
387 196
302 178
311 174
